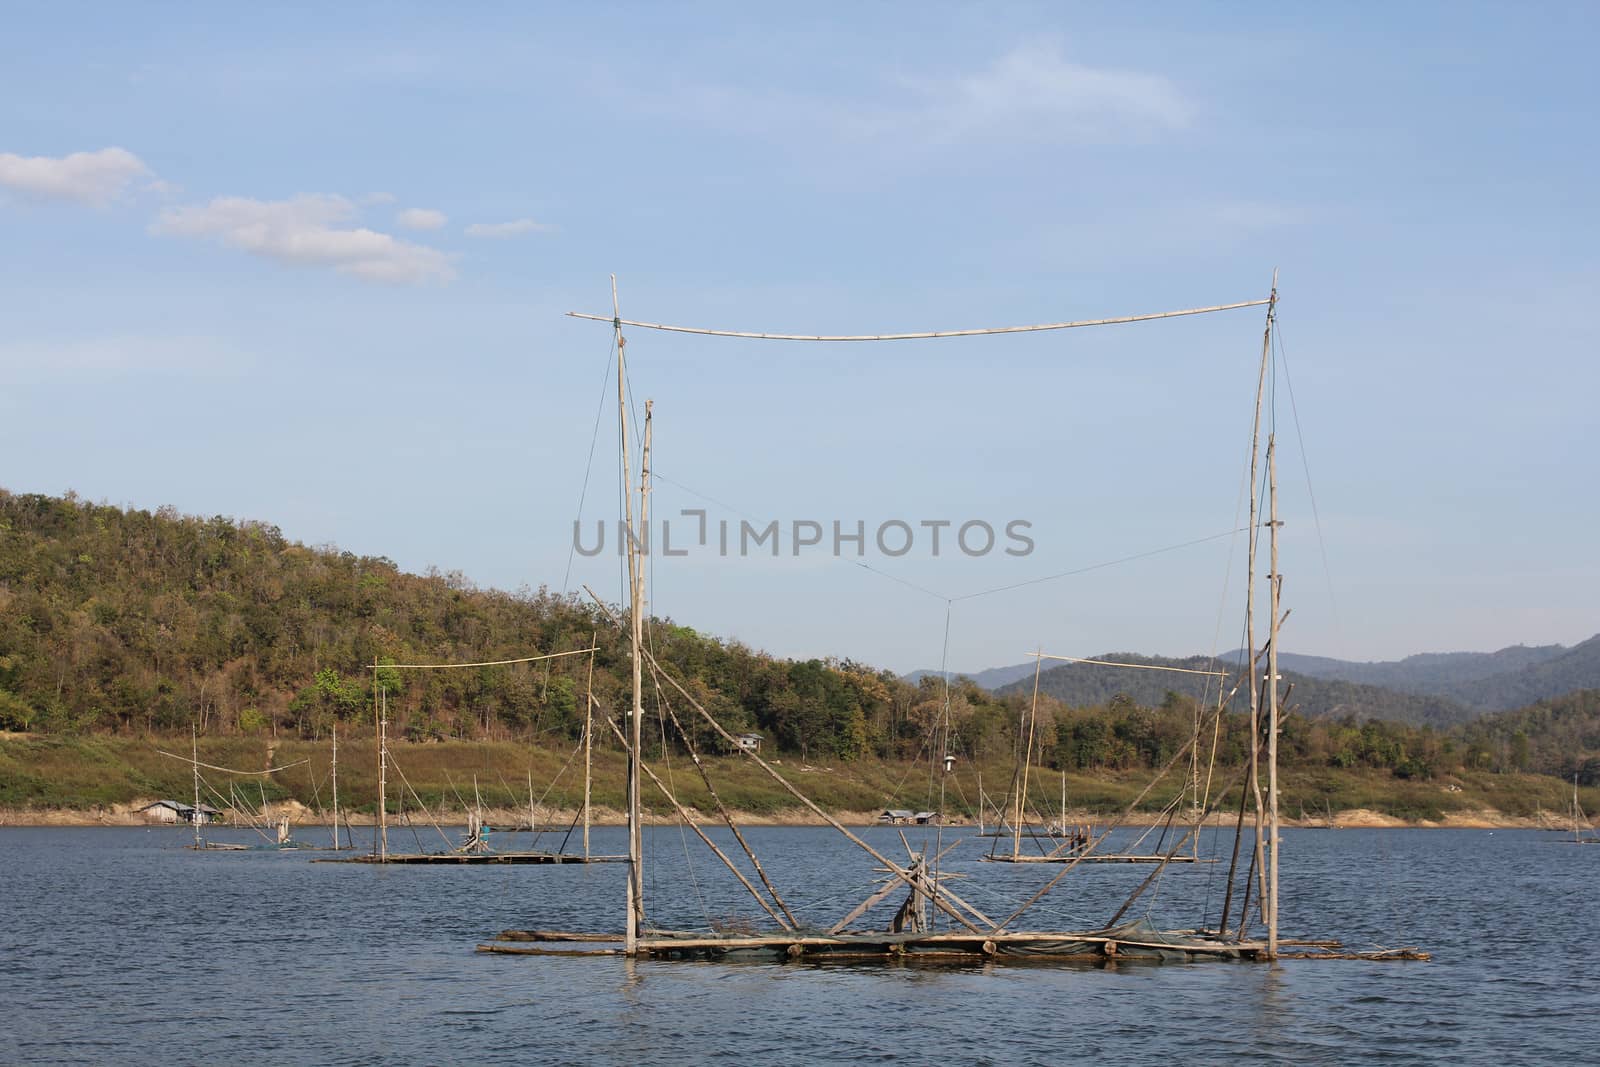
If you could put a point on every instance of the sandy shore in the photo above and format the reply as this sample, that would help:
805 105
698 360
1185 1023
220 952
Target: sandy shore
299 815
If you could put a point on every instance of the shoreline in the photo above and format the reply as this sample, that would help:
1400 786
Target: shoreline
504 819
104 780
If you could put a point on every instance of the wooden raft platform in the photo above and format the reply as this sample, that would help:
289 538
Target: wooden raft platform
475 858
1093 949
1038 947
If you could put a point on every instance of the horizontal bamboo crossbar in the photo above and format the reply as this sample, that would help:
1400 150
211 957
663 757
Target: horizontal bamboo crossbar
551 935
929 945
487 663
523 950
1383 956
230 770
919 336
952 942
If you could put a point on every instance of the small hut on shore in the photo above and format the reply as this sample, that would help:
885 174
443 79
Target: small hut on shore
172 812
906 817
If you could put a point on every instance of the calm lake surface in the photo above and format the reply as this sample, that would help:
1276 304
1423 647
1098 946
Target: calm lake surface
121 946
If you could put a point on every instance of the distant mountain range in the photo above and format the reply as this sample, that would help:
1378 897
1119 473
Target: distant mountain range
991 679
1083 683
1484 681
1427 672
1432 688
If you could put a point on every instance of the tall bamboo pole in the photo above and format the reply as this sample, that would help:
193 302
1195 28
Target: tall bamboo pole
635 888
336 783
1063 796
1250 590
383 775
1275 588
1022 772
1194 760
588 747
194 815
1233 864
978 766
641 550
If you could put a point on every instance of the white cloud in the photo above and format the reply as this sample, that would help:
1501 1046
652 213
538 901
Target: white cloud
514 228
305 231
95 178
1030 94
1033 90
421 218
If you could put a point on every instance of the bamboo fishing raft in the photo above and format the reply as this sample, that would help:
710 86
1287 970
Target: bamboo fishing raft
911 934
475 851
468 858
1079 845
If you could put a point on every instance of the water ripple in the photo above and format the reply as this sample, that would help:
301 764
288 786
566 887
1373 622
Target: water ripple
124 948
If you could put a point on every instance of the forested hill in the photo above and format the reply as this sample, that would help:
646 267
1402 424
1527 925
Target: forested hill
1084 684
134 622
1560 735
128 620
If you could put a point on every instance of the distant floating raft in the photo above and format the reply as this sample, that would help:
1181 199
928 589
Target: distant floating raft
475 858
1094 858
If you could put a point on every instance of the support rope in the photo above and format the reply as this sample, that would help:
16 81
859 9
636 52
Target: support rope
229 770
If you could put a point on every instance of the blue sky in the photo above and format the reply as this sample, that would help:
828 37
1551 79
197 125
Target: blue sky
309 265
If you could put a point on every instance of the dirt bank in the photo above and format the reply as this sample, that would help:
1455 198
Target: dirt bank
560 818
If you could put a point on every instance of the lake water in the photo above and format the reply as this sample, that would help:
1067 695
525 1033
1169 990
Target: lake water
120 946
